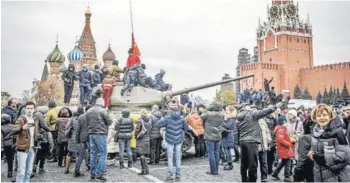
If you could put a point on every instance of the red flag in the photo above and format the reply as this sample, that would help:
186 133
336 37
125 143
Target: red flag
134 47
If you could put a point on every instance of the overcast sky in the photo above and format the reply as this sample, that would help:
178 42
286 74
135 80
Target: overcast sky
195 41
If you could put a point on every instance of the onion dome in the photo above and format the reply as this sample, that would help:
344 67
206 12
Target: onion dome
108 55
75 54
56 56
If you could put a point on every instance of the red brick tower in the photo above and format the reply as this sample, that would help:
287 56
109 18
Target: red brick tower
87 43
284 45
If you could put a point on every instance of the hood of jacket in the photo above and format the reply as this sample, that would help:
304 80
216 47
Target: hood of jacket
175 115
65 112
278 127
145 118
157 114
214 106
85 68
125 114
71 66
115 62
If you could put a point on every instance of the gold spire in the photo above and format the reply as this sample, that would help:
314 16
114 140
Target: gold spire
88 9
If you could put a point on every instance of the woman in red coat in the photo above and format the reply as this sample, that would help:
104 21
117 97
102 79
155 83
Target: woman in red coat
284 149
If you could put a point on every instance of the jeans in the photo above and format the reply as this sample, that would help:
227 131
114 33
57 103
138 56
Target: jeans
249 160
81 155
124 143
199 146
213 148
170 155
25 165
228 155
68 89
263 164
286 163
98 154
9 152
84 93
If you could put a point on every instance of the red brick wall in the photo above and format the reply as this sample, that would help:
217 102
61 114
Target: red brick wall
317 78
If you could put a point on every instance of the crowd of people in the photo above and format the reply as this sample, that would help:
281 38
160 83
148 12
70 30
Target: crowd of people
310 144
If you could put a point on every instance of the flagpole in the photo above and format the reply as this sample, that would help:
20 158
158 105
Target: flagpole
132 23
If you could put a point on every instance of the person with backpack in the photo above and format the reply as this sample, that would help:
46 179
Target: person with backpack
71 133
62 141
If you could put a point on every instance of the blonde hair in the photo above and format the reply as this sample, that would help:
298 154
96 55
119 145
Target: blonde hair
232 112
143 112
319 109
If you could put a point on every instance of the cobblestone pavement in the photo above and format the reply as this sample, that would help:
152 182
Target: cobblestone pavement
193 170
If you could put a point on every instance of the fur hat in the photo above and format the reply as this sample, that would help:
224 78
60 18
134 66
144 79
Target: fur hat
155 108
100 102
143 112
293 112
173 106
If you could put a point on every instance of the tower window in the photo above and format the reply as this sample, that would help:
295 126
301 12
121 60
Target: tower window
298 40
290 39
270 59
298 61
305 41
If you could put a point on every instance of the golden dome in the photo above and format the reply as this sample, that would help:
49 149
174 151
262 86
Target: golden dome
88 11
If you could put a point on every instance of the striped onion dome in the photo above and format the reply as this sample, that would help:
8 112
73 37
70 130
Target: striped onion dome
56 56
108 55
75 54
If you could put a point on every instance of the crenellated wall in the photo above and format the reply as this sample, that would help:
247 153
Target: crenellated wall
261 71
318 77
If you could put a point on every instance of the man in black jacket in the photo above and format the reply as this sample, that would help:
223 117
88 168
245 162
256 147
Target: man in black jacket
249 135
303 170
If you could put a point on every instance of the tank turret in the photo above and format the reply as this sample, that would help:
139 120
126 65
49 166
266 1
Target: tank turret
141 97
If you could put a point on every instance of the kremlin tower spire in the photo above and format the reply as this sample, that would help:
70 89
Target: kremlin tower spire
87 43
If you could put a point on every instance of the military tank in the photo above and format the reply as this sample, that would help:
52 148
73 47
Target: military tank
141 97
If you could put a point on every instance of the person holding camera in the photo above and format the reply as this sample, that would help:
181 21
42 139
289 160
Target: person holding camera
26 129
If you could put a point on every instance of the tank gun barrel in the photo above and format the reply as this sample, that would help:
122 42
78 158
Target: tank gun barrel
208 85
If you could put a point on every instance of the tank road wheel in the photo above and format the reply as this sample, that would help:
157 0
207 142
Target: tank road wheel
187 143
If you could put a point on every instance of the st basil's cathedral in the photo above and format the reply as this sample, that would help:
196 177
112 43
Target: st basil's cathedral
84 52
